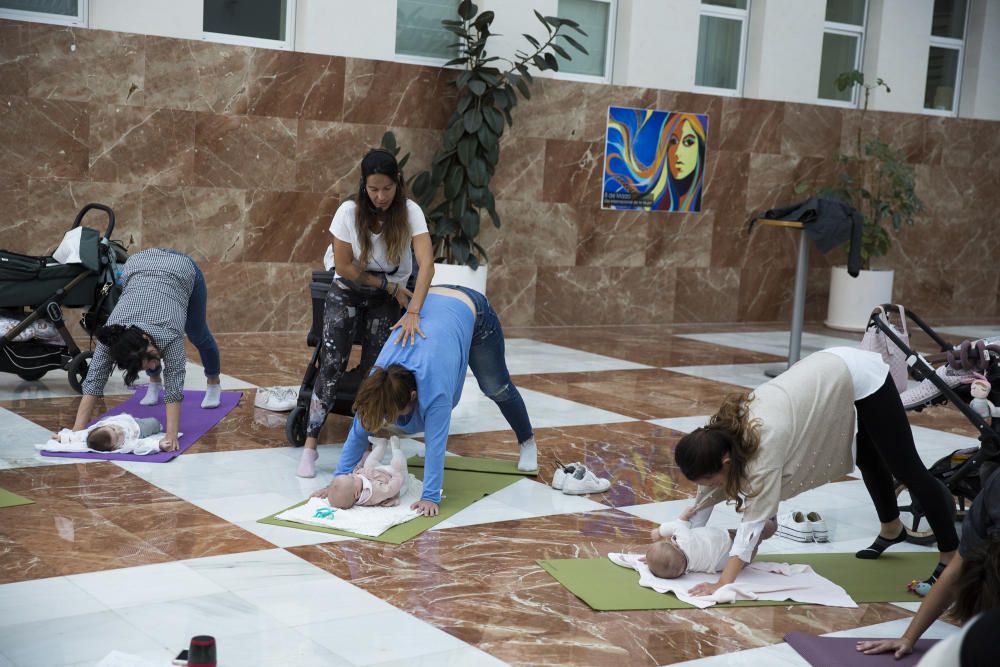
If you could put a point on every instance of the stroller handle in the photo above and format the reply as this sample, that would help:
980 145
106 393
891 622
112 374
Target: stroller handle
101 207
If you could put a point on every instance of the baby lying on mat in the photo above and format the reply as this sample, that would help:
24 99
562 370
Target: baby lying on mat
371 483
123 434
688 549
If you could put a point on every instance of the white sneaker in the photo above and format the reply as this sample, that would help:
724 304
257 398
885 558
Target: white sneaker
925 392
583 482
793 526
277 399
562 472
818 527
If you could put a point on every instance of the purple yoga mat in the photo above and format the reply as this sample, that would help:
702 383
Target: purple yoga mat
842 651
195 422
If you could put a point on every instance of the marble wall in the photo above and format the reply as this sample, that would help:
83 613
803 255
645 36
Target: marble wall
240 156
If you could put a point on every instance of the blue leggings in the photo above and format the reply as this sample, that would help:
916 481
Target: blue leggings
196 326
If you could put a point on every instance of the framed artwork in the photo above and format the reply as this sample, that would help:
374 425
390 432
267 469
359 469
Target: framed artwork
654 160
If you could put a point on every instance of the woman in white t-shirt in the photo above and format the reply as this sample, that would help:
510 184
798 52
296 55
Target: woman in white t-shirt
373 234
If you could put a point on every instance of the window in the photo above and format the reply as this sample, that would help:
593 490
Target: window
64 12
944 64
843 39
419 32
722 36
263 23
597 19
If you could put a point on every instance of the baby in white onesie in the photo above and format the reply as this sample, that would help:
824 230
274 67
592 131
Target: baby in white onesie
686 549
122 433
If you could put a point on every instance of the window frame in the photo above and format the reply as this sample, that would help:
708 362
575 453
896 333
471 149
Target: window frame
609 50
952 44
849 30
287 44
409 59
81 20
743 15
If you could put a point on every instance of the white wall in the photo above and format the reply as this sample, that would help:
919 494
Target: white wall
785 40
899 45
657 44
980 95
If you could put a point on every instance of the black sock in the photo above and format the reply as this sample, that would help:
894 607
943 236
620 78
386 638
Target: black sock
879 545
931 580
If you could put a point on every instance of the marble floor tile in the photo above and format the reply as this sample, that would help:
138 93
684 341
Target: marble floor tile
45 600
525 356
959 333
18 437
774 342
257 570
749 376
642 394
276 646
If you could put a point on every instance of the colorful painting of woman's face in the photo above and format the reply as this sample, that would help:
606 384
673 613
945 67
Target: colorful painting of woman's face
682 150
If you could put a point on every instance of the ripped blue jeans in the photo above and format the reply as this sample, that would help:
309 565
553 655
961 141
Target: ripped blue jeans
488 365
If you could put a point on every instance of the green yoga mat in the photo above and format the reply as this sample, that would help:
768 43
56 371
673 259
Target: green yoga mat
473 464
461 489
8 499
605 586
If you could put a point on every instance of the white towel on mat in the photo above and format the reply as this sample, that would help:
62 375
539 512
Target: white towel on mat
762 580
141 447
371 521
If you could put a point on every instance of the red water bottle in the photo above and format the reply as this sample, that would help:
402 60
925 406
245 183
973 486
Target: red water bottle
202 651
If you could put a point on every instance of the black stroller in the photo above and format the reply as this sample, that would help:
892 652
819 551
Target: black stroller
34 289
961 470
347 388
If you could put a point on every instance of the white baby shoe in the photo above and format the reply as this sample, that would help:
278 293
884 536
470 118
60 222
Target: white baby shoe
562 472
818 527
583 482
794 526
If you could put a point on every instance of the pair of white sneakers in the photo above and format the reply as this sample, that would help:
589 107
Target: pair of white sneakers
277 399
803 527
576 479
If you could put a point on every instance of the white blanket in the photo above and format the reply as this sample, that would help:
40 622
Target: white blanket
761 580
371 521
140 447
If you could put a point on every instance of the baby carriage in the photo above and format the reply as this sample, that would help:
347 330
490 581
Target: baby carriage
961 470
34 291
347 387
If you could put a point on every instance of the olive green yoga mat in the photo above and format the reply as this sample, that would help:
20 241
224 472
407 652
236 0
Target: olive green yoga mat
8 499
461 489
473 464
605 586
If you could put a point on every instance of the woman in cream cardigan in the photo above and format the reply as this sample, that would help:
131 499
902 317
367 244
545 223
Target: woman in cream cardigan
795 433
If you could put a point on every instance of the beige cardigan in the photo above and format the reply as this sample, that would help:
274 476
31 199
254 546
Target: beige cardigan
806 440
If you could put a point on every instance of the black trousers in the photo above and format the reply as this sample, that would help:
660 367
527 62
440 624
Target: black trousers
885 449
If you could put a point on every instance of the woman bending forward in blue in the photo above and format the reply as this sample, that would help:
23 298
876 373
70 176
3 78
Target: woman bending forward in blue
415 387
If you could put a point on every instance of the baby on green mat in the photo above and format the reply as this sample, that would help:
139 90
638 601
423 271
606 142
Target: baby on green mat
371 483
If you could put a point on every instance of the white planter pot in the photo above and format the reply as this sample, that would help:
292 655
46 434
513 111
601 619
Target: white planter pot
853 299
453 274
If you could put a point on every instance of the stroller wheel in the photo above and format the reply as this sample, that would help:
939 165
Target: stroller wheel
32 375
912 515
77 370
295 427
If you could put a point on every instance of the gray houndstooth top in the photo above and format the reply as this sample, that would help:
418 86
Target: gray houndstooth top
156 287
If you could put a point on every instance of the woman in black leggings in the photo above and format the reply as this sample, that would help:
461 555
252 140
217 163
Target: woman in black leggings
796 433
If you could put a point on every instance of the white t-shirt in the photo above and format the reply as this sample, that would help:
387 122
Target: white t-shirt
344 228
707 549
868 371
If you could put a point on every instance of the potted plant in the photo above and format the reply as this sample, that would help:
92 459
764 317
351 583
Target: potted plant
881 186
455 191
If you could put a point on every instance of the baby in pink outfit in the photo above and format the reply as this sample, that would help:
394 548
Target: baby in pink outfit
371 483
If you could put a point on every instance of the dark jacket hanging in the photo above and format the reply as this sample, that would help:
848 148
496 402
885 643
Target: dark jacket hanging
828 222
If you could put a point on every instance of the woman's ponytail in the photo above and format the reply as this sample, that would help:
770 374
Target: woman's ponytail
110 333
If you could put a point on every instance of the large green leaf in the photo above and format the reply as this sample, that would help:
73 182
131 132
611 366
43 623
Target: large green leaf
421 184
483 21
477 87
561 51
460 250
453 182
575 44
463 103
523 87
467 10
470 224
453 134
471 120
467 149
477 173
492 154
494 119
478 196
486 137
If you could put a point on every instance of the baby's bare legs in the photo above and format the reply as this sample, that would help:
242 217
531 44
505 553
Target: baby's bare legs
398 462
375 456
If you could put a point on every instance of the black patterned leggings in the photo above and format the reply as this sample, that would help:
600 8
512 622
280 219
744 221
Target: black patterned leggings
340 317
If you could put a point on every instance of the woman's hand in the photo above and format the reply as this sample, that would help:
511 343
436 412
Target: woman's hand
320 492
409 327
169 444
425 507
899 647
705 588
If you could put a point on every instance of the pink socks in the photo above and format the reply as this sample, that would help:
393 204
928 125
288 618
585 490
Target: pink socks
307 464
